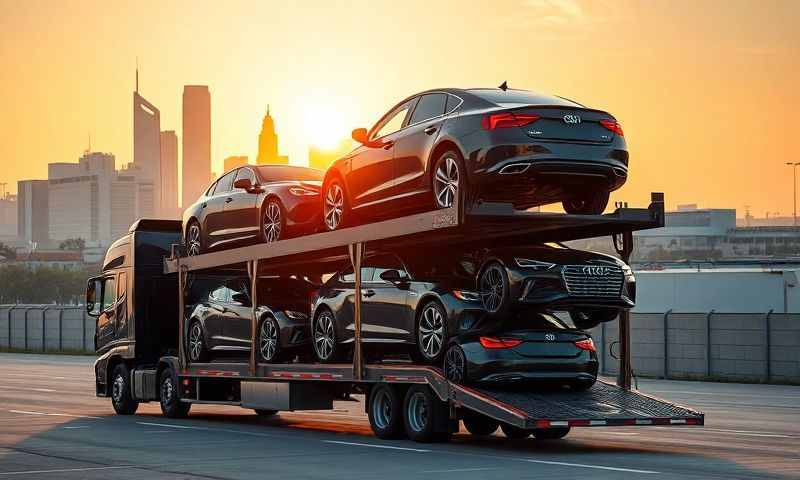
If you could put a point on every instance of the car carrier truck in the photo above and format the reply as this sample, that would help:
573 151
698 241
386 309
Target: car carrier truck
139 303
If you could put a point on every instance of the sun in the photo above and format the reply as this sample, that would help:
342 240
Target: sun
325 122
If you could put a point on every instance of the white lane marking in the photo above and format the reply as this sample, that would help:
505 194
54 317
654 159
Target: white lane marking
372 445
29 375
622 434
584 465
745 433
716 394
79 426
66 470
28 389
28 412
455 470
185 427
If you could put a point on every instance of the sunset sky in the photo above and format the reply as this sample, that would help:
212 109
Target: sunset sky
708 92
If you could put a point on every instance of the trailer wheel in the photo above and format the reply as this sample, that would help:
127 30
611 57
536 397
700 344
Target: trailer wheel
550 433
169 398
265 413
514 433
121 396
478 424
386 411
422 413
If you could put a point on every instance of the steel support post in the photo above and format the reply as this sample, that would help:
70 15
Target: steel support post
356 251
624 246
768 345
181 315
252 270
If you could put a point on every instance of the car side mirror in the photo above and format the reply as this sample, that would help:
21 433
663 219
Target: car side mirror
244 184
94 290
360 135
393 276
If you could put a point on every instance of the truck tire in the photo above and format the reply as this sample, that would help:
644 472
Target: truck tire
479 424
514 433
422 413
550 433
121 396
386 411
169 397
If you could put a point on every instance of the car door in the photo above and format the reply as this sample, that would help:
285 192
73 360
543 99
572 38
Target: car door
345 316
214 321
214 223
412 150
385 305
370 180
240 210
239 314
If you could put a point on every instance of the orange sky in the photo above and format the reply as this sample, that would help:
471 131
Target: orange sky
707 92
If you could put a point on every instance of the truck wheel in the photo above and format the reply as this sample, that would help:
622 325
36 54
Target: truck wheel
265 413
386 411
121 395
550 433
171 404
421 413
478 424
590 204
514 433
494 290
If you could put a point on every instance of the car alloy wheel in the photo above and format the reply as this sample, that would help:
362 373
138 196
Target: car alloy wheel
193 240
324 336
273 222
492 288
455 364
430 337
268 340
195 342
334 206
446 181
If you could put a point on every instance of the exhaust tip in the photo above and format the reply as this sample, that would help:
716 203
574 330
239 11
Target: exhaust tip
515 169
620 172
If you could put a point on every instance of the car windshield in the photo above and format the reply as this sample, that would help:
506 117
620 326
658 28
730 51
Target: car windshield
519 97
284 173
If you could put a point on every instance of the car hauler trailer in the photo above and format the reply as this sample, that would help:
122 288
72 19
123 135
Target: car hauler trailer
397 393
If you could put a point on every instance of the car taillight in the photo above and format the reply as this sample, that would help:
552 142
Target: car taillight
494 343
586 344
614 126
508 120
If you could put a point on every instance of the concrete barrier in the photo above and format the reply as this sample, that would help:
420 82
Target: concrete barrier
46 328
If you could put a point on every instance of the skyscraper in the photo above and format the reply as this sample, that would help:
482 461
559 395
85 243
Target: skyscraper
147 148
196 167
268 144
33 219
169 174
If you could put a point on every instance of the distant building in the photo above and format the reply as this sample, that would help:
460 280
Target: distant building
268 144
33 211
196 166
235 161
8 216
690 229
322 158
147 149
169 175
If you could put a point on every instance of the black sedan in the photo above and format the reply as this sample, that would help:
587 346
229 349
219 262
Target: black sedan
255 203
490 144
537 348
220 312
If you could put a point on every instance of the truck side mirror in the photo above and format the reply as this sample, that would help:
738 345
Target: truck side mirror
94 292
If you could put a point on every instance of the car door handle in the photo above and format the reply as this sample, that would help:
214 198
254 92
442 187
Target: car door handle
228 200
203 205
430 130
368 293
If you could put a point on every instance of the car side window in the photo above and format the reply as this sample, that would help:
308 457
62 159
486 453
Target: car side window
393 121
429 106
225 183
452 103
210 190
219 294
245 173
349 276
382 263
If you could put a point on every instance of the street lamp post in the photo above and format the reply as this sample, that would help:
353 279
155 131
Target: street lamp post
794 191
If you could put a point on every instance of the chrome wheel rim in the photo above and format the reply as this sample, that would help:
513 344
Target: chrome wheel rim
382 408
195 342
193 240
446 182
324 336
431 331
268 343
118 388
454 365
272 222
167 391
334 206
492 289
418 412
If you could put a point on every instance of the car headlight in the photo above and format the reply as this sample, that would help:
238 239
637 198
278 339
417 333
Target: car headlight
302 192
466 295
534 264
295 315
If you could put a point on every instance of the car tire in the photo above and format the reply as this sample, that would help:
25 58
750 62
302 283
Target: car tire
269 341
386 411
449 179
273 221
550 433
323 337
121 395
335 207
588 319
194 239
455 365
421 412
514 433
478 424
265 413
430 334
168 396
590 204
494 289
196 343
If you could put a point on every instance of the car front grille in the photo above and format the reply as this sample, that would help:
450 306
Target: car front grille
603 281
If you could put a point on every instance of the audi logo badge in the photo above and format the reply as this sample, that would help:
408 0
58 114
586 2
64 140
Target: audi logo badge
572 119
549 337
596 271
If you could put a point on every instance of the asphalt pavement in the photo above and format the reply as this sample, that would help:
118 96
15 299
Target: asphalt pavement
53 427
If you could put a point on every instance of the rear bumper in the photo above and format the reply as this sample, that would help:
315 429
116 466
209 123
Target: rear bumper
508 367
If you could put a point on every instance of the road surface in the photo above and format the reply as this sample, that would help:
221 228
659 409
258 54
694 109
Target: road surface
53 427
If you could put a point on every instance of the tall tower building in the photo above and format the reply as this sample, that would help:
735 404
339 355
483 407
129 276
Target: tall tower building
169 174
33 221
268 144
147 148
196 167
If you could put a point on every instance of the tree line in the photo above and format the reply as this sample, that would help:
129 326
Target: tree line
43 284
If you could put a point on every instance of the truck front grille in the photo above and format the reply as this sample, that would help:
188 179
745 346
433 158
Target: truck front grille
603 281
